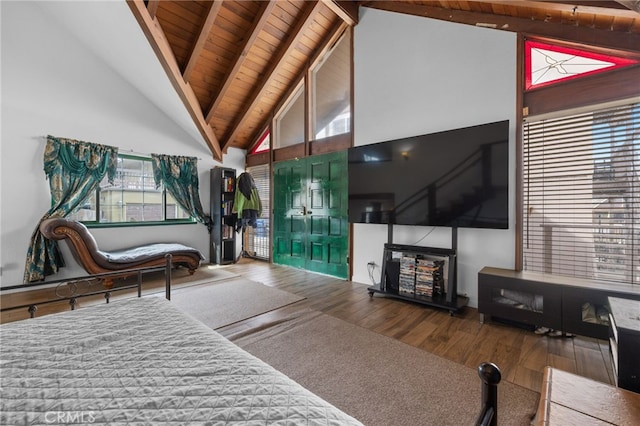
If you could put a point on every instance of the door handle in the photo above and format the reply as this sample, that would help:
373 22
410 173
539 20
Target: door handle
304 210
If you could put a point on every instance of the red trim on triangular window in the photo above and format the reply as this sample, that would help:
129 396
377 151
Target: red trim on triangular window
257 148
616 62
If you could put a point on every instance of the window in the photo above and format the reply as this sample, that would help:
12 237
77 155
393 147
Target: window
327 96
332 91
258 238
264 143
289 124
546 64
133 198
581 212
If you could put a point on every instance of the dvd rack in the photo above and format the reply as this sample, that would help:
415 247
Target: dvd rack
425 275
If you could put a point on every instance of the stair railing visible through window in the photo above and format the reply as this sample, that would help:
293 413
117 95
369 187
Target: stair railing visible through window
581 189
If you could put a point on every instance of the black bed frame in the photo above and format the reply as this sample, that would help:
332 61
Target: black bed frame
72 286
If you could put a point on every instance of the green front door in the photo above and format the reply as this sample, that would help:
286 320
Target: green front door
289 227
310 224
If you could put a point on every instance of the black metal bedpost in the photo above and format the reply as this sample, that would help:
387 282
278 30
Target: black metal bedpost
32 311
490 375
167 277
139 283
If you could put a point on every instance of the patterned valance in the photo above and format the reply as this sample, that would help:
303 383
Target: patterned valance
64 158
74 169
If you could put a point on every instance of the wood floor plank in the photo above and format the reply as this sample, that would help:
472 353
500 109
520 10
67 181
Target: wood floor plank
505 357
419 333
458 347
560 346
591 364
534 353
586 342
562 363
527 378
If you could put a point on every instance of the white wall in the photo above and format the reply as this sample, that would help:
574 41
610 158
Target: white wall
416 76
84 70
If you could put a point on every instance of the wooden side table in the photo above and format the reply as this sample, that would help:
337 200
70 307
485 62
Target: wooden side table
567 399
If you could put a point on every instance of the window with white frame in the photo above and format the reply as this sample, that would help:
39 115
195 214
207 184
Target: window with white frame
332 91
289 123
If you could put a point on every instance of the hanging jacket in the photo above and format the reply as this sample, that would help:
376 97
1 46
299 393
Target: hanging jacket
246 197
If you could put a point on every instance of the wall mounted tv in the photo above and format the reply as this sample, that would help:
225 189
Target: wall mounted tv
455 178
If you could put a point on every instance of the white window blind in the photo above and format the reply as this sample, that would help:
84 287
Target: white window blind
581 178
262 180
258 238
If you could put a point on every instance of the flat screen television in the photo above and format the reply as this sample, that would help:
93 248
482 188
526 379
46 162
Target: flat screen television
455 178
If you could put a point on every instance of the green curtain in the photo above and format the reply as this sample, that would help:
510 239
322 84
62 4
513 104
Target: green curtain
179 175
74 169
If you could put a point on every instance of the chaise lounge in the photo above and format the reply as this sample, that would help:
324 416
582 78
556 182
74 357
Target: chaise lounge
95 261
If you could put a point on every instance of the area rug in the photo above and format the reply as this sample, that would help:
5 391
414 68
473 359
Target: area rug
379 380
180 277
226 302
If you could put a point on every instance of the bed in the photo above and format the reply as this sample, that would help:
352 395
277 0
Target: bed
142 361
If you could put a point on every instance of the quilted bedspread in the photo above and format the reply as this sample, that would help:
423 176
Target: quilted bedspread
141 361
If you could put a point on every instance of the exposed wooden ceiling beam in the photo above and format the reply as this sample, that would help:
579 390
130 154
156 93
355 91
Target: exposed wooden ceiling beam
596 7
154 33
275 63
198 46
595 37
344 10
152 8
352 8
241 55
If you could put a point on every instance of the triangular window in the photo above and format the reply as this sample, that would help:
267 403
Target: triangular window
547 64
263 143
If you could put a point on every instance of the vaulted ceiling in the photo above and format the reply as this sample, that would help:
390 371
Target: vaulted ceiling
234 62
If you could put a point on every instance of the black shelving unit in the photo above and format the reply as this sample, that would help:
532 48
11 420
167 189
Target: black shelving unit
223 236
390 285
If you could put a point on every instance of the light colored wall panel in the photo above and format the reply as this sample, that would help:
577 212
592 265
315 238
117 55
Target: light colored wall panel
416 76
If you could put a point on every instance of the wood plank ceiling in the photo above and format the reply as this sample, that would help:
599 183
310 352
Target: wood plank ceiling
234 62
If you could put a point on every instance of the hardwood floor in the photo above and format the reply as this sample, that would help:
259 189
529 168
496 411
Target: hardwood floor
520 354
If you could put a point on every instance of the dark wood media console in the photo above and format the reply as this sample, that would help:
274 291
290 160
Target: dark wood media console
572 305
391 277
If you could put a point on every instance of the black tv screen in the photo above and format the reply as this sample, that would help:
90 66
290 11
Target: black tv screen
455 178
